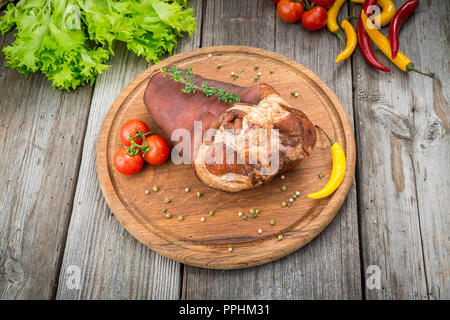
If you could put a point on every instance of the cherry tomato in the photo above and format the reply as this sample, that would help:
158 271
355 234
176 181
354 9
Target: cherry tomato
129 129
126 163
290 11
326 3
315 19
158 151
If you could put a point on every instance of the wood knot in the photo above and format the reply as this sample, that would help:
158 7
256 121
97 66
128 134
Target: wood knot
434 131
398 126
13 270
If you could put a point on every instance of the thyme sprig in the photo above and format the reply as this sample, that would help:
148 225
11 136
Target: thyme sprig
176 74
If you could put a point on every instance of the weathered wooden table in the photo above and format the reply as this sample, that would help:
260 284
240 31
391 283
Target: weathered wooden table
55 224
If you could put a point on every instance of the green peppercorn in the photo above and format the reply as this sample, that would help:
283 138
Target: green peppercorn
257 211
180 218
155 188
252 211
168 216
271 70
272 222
256 67
244 217
219 66
284 204
280 237
164 210
254 216
199 194
294 196
283 188
167 200
211 212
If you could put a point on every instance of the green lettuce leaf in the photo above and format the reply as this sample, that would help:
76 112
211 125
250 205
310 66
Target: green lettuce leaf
70 41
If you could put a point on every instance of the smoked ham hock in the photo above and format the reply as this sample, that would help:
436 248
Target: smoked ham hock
241 146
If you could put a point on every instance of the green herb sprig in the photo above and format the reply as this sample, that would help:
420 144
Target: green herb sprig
190 87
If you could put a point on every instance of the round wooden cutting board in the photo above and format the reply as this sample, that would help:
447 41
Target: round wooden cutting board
207 244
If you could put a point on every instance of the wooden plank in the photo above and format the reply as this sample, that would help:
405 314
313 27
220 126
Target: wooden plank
403 177
4 2
112 264
41 136
329 266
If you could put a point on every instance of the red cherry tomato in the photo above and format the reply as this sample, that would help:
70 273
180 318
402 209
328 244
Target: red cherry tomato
126 163
158 151
326 3
315 19
129 129
290 11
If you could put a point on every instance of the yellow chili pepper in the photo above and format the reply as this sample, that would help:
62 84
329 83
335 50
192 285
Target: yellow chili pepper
337 173
352 40
400 60
387 11
332 16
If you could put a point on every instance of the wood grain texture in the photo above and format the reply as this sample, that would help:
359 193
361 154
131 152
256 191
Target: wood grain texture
206 244
41 134
404 156
113 264
4 2
328 267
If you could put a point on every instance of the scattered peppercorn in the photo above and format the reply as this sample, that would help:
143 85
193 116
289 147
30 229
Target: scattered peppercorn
199 194
272 222
244 217
256 67
202 219
167 200
257 211
164 210
187 190
252 211
155 188
211 212
283 188
280 237
254 216
168 216
321 176
180 218
219 66
284 204
146 192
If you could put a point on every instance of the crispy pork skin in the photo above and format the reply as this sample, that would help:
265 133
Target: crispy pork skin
254 139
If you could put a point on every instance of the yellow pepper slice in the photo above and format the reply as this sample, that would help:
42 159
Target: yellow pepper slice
352 40
400 60
387 12
332 17
337 173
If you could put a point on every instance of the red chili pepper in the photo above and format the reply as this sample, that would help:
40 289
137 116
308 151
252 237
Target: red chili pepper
400 16
326 3
364 40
